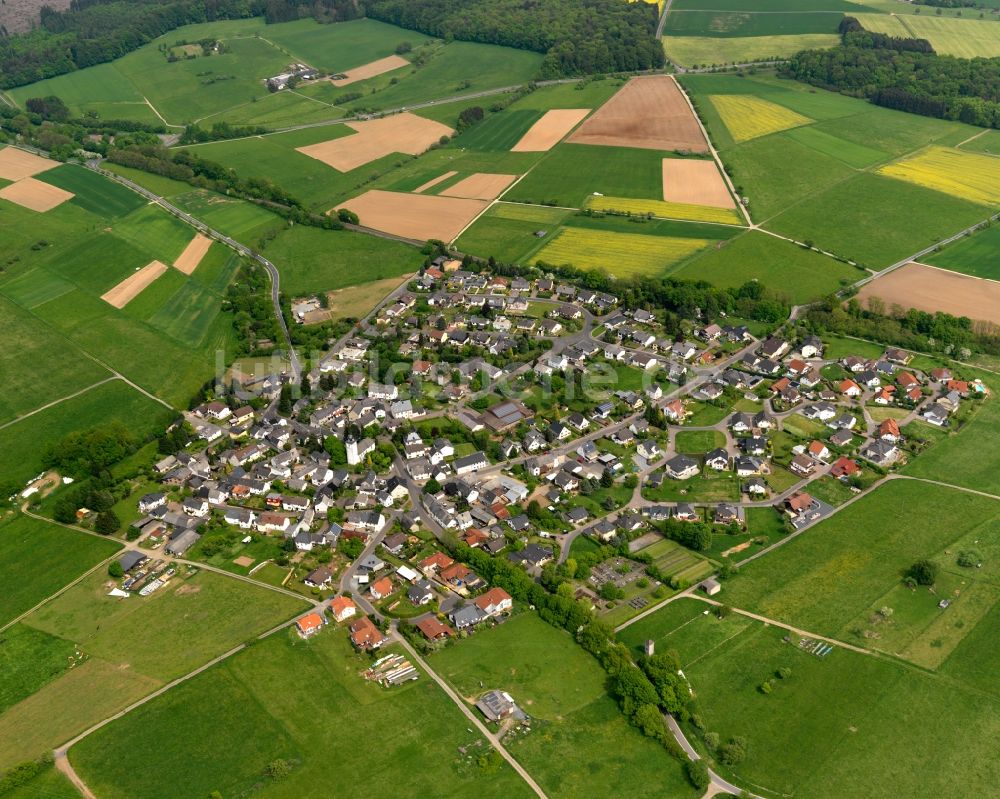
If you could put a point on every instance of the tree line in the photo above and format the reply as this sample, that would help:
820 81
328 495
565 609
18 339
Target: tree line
904 74
578 37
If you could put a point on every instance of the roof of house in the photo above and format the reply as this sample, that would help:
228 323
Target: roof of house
342 603
309 622
432 628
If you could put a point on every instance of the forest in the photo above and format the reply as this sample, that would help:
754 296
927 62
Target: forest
578 37
905 77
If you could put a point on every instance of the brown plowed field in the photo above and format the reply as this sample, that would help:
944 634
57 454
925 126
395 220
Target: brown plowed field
695 183
375 138
649 112
929 289
35 195
430 184
16 164
126 291
188 260
548 131
414 216
371 70
480 186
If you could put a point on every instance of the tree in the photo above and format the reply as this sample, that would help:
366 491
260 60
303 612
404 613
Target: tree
305 386
336 450
923 572
611 591
432 486
107 522
115 570
697 773
285 401
733 752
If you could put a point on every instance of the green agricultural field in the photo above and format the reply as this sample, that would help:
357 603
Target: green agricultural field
280 110
974 255
963 38
780 265
29 659
839 570
100 87
25 442
579 741
507 231
67 370
851 153
619 254
100 196
502 131
68 555
160 233
251 696
311 259
692 51
736 24
877 220
571 172
758 6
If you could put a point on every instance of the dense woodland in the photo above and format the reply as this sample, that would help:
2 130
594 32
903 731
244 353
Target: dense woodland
578 37
904 74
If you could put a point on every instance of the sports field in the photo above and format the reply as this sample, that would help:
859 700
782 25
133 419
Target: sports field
963 38
274 718
751 117
618 254
579 743
960 174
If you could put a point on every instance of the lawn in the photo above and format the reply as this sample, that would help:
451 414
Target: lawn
786 268
618 254
68 555
312 259
298 720
579 743
827 578
721 487
973 255
698 441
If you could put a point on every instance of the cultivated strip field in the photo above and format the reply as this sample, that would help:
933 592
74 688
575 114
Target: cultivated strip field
963 38
663 209
927 288
648 112
375 138
480 186
370 70
35 195
747 117
188 260
126 291
17 164
619 254
548 131
967 175
430 184
695 182
414 216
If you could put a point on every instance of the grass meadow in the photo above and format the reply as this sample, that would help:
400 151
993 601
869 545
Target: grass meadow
579 742
29 659
252 696
974 255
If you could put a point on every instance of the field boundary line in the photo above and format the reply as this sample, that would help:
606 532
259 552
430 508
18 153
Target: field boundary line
158 114
711 649
953 272
654 608
973 137
494 741
55 402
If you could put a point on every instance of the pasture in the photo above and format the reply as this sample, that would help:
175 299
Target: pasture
68 555
251 696
962 38
969 176
579 742
618 254
784 267
974 255
751 117
311 259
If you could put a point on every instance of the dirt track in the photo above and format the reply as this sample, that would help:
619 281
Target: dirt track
649 112
371 70
480 186
126 291
414 216
188 260
686 180
375 138
927 288
35 195
548 131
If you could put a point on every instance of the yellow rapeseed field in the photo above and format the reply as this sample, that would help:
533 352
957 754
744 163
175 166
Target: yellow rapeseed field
967 175
749 117
666 210
619 254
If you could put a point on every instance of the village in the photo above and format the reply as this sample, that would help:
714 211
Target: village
537 425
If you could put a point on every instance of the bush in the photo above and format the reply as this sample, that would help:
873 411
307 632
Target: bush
969 559
784 672
712 741
923 572
733 752
697 773
115 570
765 687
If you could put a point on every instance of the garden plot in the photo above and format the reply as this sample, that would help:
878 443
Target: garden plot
126 291
695 183
415 216
548 131
17 164
370 70
928 288
377 138
647 112
35 195
480 186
